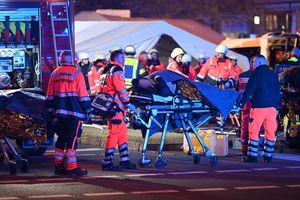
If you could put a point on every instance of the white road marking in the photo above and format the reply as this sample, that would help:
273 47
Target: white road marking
265 169
86 154
15 181
154 191
94 177
55 179
293 186
293 167
9 198
190 172
283 156
257 187
205 189
233 171
103 194
81 150
139 175
49 196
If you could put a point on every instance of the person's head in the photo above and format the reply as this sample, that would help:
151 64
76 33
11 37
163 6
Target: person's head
65 58
144 55
186 59
177 54
202 58
233 59
84 58
154 54
117 56
99 58
221 51
130 50
258 61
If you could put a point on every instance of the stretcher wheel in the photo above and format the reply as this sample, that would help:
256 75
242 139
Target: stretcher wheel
213 161
25 166
144 163
160 163
12 168
196 159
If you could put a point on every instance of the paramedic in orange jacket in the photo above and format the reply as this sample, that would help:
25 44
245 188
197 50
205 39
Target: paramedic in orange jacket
153 63
186 68
68 103
117 130
95 73
263 88
218 71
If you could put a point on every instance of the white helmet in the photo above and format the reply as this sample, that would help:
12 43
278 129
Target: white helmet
186 58
83 55
233 57
221 49
202 55
130 50
99 56
153 51
116 48
177 51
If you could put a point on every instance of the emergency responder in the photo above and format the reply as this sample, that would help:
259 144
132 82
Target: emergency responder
153 63
84 66
236 70
133 67
186 68
263 88
175 61
117 130
218 71
201 62
245 111
68 103
95 73
143 59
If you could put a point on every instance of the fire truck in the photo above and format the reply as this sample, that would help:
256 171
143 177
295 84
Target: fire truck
33 34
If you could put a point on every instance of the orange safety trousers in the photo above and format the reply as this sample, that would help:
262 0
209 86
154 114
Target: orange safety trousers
265 117
117 131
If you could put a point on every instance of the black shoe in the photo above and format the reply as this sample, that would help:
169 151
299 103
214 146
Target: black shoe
60 169
249 159
110 167
267 159
127 165
77 172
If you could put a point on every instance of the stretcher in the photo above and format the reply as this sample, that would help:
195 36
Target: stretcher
23 117
166 101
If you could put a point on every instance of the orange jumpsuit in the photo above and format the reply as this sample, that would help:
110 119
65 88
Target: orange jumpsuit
173 66
117 130
215 71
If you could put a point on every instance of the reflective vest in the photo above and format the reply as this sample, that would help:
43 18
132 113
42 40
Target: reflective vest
94 76
132 70
173 66
67 95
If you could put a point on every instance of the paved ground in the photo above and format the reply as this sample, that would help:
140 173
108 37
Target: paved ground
181 179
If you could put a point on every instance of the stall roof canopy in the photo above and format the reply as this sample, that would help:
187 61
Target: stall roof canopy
102 36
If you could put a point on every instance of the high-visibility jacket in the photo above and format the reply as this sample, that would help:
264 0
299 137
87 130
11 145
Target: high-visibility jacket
67 95
94 77
242 84
173 66
215 71
132 70
113 83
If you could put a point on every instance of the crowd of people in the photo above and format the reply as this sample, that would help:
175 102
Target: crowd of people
71 89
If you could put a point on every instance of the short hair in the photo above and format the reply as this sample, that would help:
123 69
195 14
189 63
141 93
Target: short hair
114 54
66 58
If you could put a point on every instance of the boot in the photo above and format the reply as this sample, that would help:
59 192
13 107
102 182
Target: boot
110 167
127 165
77 172
267 159
249 159
60 169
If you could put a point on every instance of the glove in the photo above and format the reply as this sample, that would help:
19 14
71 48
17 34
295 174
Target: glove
131 107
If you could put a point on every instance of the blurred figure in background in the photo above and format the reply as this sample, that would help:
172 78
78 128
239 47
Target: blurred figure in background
201 62
84 66
95 73
153 63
